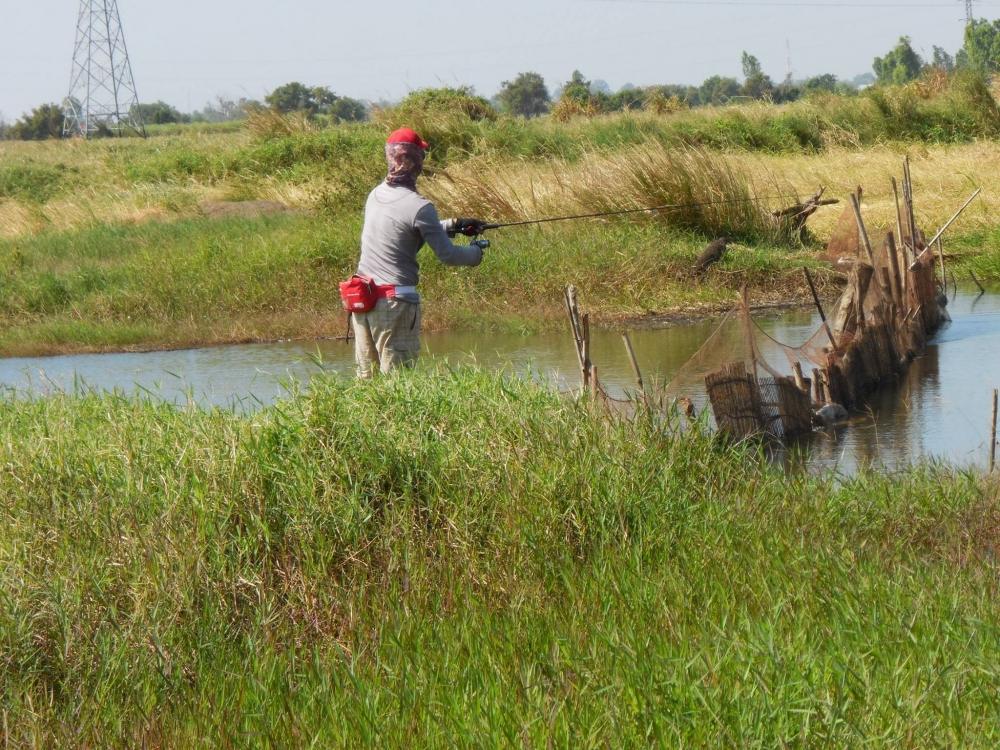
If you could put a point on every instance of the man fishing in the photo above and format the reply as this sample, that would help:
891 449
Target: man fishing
398 222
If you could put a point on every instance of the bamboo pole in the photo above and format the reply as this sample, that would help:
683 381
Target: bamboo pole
982 290
800 381
942 230
911 216
574 324
822 313
899 212
944 277
899 233
863 233
897 284
633 361
993 434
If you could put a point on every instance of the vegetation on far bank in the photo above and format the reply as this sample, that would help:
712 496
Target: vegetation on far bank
107 244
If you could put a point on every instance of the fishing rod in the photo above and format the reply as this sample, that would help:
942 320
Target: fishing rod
625 211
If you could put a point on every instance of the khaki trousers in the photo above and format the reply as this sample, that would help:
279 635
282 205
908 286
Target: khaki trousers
387 337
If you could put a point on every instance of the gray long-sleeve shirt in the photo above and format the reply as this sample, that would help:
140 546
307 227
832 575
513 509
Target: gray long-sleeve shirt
398 221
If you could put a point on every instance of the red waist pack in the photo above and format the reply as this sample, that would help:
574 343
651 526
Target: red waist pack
359 294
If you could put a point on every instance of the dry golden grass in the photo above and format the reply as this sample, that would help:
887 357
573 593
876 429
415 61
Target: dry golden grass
943 176
98 187
717 194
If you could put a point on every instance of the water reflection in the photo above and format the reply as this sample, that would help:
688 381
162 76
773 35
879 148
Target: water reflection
940 408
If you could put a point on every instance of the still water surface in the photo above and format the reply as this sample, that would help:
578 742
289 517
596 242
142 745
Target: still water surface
941 408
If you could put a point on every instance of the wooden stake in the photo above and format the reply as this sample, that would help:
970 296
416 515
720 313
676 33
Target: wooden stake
944 277
902 238
595 389
587 365
897 284
819 306
899 213
862 232
982 291
574 324
800 381
942 230
911 216
634 362
993 433
817 387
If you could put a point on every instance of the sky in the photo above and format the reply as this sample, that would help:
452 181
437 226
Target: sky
187 53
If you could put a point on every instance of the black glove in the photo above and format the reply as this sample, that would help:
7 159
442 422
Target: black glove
468 227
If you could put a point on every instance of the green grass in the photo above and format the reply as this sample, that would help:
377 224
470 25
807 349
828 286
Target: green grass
455 558
979 252
33 183
204 281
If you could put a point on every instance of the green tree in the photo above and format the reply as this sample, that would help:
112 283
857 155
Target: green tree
718 90
315 100
294 97
756 83
825 82
346 109
942 60
43 122
526 95
982 46
577 88
900 64
158 113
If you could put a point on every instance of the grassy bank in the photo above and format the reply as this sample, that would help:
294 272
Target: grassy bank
204 281
440 557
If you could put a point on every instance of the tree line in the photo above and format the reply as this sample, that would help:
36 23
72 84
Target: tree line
528 95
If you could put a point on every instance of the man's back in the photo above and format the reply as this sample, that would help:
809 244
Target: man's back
390 238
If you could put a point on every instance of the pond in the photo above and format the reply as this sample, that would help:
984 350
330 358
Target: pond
940 409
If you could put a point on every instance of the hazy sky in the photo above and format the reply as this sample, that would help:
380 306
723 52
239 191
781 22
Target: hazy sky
187 52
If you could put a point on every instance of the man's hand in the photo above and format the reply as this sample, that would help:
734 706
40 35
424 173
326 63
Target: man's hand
468 227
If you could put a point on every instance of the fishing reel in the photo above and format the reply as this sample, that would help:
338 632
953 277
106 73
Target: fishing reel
480 243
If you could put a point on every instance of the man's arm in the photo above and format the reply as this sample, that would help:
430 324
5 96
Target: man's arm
433 231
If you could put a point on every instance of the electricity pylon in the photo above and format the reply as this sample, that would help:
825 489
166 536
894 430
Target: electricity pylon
969 13
102 98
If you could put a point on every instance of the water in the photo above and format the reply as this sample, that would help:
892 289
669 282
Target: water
939 410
